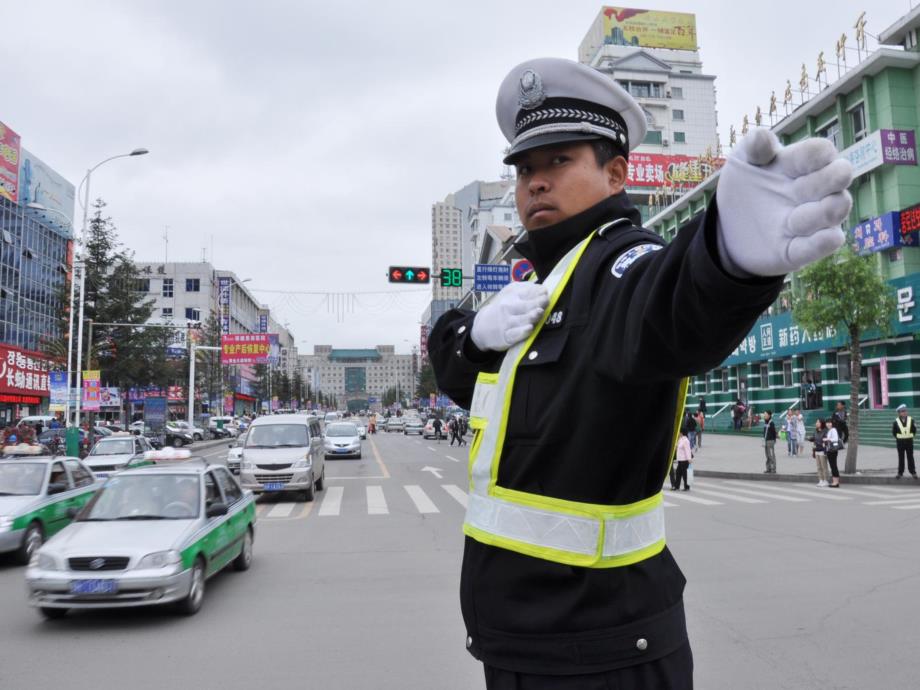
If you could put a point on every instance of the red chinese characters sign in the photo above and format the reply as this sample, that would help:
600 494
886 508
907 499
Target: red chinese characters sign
9 163
656 170
23 373
245 348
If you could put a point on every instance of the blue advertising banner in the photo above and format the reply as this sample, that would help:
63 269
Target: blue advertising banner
155 413
777 337
491 277
58 383
223 302
40 184
881 233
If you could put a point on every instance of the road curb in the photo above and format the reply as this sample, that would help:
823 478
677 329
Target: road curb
204 445
807 478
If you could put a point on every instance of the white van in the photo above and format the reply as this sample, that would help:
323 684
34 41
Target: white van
284 453
34 419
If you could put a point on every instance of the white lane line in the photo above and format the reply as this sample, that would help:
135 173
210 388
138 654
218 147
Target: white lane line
280 510
420 499
726 496
893 501
433 450
668 505
827 495
451 459
376 503
456 492
332 503
911 507
764 494
693 499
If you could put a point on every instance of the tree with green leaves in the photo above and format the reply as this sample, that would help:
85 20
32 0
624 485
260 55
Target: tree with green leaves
426 382
845 292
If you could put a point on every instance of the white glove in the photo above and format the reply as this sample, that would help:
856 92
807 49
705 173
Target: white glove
780 208
509 317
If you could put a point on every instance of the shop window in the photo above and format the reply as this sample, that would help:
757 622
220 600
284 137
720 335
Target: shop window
787 373
858 122
895 255
166 312
677 114
167 287
192 314
680 137
677 92
764 377
193 285
725 380
832 133
652 136
843 367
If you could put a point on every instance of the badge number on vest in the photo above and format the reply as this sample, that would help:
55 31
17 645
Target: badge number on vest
555 319
630 256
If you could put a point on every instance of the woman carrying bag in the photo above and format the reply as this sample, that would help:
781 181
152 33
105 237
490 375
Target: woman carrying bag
818 452
832 446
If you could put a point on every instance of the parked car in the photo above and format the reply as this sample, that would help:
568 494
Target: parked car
113 453
227 429
236 450
178 437
149 536
197 433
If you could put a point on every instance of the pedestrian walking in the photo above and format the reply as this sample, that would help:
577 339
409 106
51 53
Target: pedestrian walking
769 442
818 452
437 428
904 431
454 427
684 457
832 446
799 420
700 427
464 427
690 423
567 581
840 422
791 432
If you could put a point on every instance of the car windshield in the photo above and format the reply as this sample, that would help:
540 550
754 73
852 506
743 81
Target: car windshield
146 497
21 479
341 430
122 446
277 436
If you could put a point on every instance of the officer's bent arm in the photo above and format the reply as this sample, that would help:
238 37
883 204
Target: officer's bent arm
675 312
455 358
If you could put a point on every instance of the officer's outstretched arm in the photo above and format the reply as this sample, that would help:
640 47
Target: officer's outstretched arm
455 358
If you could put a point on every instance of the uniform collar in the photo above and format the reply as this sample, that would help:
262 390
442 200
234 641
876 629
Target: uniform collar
546 246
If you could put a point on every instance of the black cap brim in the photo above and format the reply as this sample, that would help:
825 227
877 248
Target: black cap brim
549 139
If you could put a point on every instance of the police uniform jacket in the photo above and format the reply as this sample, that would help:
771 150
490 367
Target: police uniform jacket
592 419
905 442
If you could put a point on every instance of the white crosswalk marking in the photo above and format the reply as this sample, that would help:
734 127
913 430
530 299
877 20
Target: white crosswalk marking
668 505
280 510
693 499
376 502
433 450
765 494
893 502
814 492
456 492
726 496
915 506
863 493
420 499
332 502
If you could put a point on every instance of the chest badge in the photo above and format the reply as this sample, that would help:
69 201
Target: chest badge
630 256
555 319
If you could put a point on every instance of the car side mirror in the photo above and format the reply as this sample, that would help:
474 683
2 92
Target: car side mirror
57 488
216 510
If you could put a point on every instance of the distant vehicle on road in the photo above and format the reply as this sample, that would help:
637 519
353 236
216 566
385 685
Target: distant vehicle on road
112 453
396 424
414 425
342 441
284 453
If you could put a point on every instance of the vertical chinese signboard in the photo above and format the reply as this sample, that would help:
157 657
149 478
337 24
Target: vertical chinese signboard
223 302
92 390
9 163
58 381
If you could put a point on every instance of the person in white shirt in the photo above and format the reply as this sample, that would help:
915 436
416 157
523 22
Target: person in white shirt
832 445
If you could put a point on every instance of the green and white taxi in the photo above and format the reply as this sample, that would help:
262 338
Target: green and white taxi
151 535
37 493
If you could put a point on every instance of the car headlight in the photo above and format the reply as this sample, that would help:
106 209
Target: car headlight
43 561
246 465
6 521
159 559
303 463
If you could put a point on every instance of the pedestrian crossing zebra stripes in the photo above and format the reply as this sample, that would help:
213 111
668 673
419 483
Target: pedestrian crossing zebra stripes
450 500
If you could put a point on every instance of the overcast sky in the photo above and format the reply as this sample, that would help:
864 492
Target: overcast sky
309 139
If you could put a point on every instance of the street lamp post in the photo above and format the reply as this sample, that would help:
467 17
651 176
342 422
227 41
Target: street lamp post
70 372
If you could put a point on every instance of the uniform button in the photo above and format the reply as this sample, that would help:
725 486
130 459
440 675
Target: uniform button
459 353
460 330
533 355
642 644
469 642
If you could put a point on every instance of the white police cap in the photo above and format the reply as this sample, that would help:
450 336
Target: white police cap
550 101
902 406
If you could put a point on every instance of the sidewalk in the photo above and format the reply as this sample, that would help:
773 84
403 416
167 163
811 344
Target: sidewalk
740 457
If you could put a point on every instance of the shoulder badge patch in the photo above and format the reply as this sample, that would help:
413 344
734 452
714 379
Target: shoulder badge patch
630 256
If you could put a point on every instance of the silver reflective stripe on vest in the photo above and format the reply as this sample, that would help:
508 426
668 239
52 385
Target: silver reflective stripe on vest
582 533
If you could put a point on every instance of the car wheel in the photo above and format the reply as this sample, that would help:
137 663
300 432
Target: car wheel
309 494
359 456
177 442
244 560
197 437
51 614
31 542
321 482
192 603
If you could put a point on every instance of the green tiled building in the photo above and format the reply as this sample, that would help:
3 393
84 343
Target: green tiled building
871 113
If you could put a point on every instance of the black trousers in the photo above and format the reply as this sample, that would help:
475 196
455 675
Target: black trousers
832 461
673 672
908 449
682 467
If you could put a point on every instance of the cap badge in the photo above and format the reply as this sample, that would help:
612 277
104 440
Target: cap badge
532 93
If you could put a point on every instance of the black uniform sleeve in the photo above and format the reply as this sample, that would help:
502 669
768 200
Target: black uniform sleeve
894 429
676 311
455 358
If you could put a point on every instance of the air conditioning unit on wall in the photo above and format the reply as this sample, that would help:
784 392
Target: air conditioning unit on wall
665 142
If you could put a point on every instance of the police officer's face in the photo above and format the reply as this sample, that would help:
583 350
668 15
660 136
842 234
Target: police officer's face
558 182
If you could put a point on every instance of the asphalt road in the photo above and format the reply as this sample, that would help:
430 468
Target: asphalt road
789 587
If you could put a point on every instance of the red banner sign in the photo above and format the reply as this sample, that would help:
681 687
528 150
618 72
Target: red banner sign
23 373
9 163
245 348
656 170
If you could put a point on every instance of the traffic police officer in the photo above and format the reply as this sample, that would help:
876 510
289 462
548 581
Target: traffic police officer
904 431
567 581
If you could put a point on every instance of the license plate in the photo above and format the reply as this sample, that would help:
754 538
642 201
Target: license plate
274 486
341 450
93 586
